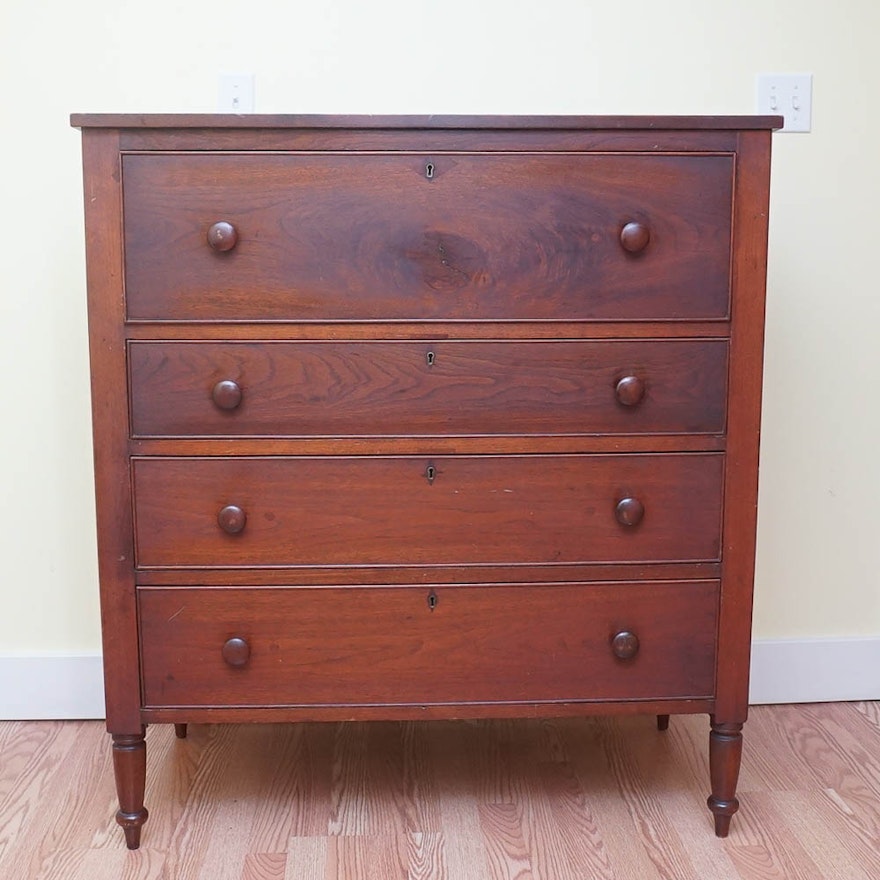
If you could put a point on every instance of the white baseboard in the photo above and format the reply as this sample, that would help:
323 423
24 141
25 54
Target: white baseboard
815 670
783 671
43 688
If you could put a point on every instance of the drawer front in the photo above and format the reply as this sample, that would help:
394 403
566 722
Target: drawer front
424 645
418 388
374 237
222 512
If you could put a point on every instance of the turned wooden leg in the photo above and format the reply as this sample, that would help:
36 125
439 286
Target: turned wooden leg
662 722
725 753
180 731
130 769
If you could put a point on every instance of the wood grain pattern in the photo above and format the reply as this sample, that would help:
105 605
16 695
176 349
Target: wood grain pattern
369 237
419 712
547 806
377 389
103 216
476 509
30 759
751 218
329 576
537 643
426 140
433 123
260 331
428 446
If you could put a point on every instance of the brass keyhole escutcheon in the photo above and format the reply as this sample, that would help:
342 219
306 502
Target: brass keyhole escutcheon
430 473
432 600
429 170
430 358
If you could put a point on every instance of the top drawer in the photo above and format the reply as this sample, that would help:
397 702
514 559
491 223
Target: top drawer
362 237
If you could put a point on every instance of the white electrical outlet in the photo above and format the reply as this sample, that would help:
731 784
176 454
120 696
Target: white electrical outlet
789 95
236 93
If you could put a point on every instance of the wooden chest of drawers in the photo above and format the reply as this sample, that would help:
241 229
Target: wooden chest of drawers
437 417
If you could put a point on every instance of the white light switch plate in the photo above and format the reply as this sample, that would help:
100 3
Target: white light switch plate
236 93
789 95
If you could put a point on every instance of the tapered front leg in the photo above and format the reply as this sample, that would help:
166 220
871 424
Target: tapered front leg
725 754
130 769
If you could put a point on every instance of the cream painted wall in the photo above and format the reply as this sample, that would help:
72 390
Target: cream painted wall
819 519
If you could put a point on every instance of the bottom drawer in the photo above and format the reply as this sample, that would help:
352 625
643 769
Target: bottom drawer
424 645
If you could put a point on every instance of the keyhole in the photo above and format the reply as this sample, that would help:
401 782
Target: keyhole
432 600
429 170
430 473
429 358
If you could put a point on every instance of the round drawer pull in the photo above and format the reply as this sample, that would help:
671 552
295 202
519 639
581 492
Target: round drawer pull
634 237
629 511
227 394
232 519
630 390
625 645
222 236
236 652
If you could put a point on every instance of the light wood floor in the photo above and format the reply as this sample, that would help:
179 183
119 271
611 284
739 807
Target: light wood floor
549 800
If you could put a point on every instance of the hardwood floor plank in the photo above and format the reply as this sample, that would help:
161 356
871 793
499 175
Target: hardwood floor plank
770 767
401 778
18 743
191 837
840 762
420 801
490 748
93 767
868 711
29 750
603 801
115 864
679 764
294 770
247 771
172 765
458 809
562 836
367 857
850 743
264 866
861 831
687 744
27 828
350 811
636 782
571 799
308 859
426 856
694 825
502 828
764 847
815 821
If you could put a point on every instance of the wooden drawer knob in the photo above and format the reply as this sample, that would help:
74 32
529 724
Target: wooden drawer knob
625 645
236 652
634 237
227 394
629 511
222 236
630 390
232 519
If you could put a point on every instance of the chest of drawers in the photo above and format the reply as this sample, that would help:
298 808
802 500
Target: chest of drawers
440 417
